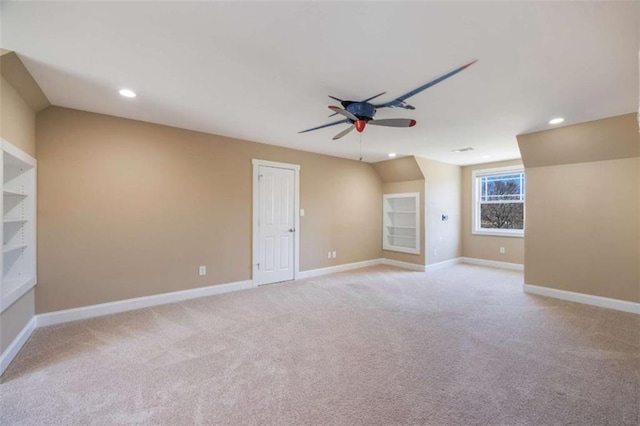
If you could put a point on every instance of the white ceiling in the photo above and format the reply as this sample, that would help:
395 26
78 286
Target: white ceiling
262 71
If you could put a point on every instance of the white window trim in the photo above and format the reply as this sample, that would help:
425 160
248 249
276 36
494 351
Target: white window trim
475 194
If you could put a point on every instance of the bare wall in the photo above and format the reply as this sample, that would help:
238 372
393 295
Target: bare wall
18 119
606 139
129 209
443 238
399 169
486 246
583 226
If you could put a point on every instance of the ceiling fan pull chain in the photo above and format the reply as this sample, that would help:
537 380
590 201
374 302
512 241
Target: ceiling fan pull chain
360 146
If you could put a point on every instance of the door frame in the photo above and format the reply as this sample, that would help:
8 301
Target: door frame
256 214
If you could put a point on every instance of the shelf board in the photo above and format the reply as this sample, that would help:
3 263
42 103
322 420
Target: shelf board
14 289
14 221
404 247
401 227
403 211
8 193
402 236
7 249
10 285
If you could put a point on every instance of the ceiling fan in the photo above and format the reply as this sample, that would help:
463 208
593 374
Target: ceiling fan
360 113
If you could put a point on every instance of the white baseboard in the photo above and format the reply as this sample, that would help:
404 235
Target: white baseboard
403 265
338 268
586 299
492 263
12 350
443 264
373 262
92 311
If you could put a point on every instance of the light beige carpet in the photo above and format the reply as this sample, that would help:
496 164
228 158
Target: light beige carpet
461 345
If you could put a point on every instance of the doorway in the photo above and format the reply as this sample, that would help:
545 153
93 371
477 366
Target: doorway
275 222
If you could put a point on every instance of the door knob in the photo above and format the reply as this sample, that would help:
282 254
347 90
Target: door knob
291 230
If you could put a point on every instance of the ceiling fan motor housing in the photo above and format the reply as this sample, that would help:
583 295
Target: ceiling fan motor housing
362 110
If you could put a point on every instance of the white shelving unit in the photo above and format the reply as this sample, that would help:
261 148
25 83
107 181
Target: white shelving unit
401 222
18 224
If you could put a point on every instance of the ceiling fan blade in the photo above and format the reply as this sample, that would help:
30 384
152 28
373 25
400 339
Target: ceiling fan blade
344 132
326 125
335 99
343 112
335 113
373 97
399 101
394 122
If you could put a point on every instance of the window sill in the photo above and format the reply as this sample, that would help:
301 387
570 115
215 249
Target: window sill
512 234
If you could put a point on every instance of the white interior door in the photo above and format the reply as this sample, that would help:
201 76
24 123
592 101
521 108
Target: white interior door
276 225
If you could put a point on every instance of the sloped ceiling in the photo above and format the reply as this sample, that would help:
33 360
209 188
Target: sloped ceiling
262 71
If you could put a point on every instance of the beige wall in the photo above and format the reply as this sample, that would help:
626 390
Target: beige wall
443 239
399 170
582 228
398 188
18 120
583 217
17 126
129 209
486 246
606 139
14 71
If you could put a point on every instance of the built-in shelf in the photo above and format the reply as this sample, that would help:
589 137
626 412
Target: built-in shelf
14 220
8 193
18 262
401 222
14 289
7 249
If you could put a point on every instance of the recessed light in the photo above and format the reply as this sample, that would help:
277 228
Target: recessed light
392 154
128 93
557 120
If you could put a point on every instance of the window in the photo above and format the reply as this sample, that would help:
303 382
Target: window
498 201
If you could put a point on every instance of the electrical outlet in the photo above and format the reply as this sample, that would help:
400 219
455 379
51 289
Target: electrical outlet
334 254
502 251
329 255
202 271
